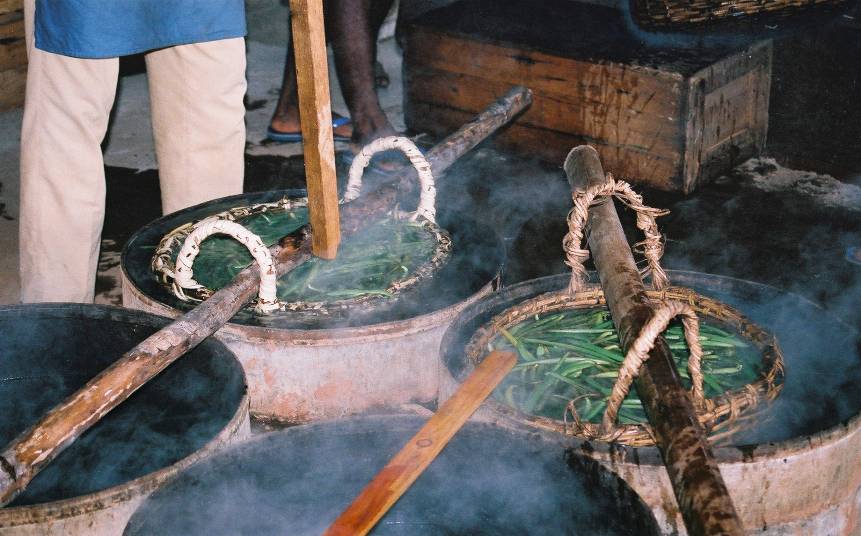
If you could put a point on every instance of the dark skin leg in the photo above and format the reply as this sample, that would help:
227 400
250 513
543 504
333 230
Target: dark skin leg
352 27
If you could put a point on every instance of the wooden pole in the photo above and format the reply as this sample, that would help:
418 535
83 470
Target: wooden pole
36 447
408 464
315 116
703 498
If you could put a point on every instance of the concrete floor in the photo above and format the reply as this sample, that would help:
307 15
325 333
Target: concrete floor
810 217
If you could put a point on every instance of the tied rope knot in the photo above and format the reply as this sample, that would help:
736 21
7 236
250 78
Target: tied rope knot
268 302
637 354
652 247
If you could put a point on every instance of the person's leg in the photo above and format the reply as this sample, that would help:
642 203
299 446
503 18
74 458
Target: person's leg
286 116
66 113
355 25
198 120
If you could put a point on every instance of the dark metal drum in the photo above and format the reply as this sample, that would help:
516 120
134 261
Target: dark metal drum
194 407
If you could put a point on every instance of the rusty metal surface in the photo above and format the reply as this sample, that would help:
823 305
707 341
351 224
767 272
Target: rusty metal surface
106 512
809 485
806 484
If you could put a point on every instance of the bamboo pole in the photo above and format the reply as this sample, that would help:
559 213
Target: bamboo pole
37 446
407 465
703 498
315 117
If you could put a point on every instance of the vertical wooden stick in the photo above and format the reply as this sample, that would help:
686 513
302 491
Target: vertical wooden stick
408 464
315 114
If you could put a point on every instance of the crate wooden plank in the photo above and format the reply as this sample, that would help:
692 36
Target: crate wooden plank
563 28
669 117
12 25
13 53
544 144
589 81
623 125
728 113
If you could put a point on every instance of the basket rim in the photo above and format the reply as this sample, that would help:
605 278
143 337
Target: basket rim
162 263
722 413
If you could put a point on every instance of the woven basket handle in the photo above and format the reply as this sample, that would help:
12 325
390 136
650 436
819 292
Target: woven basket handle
427 198
652 246
184 275
638 353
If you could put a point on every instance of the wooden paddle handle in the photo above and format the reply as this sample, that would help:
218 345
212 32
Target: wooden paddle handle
408 464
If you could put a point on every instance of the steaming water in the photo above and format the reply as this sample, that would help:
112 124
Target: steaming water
787 239
48 352
821 354
475 261
486 481
822 360
533 390
387 251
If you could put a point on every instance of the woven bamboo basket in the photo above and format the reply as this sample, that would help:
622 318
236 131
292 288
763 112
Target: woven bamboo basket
722 415
180 247
670 13
163 263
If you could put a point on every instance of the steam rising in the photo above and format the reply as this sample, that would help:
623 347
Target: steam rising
50 351
782 236
486 481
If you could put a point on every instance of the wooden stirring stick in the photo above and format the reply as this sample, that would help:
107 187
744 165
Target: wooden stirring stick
408 464
315 117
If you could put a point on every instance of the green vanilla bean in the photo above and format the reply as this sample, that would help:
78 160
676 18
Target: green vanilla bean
367 264
575 355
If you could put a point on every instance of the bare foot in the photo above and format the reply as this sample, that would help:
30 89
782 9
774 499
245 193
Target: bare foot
389 161
289 123
358 141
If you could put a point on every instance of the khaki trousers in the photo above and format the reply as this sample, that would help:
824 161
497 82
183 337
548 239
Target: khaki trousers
196 94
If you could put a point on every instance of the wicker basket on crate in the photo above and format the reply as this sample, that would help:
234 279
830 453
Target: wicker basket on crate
518 326
669 13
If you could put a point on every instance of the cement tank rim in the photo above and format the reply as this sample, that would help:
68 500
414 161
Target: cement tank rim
651 455
34 514
323 336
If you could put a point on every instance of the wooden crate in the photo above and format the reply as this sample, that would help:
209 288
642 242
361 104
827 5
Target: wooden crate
670 117
13 54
